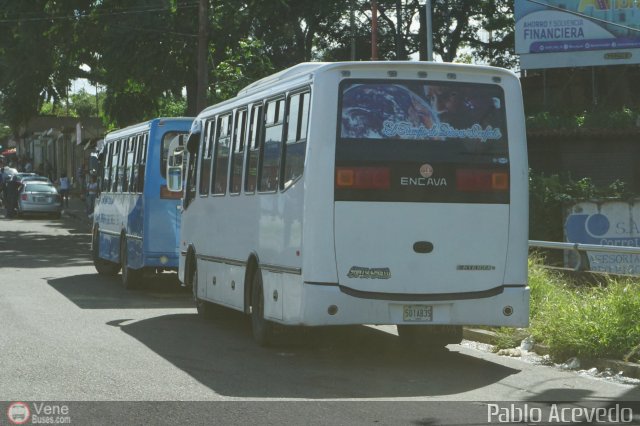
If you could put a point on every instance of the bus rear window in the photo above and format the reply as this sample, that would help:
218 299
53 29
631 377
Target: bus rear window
421 141
167 138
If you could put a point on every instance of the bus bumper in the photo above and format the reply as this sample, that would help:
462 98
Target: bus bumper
329 305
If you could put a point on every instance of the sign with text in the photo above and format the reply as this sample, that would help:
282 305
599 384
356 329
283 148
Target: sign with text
569 33
611 223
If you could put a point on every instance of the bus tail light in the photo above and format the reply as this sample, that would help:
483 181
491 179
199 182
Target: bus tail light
363 178
165 194
469 180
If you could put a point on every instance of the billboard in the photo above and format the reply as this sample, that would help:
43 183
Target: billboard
611 223
577 33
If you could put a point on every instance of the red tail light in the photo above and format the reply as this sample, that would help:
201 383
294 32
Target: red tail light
23 197
363 178
165 194
481 180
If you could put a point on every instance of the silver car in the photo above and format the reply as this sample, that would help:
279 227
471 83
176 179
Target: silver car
39 197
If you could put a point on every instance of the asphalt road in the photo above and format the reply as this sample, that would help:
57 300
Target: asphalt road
72 337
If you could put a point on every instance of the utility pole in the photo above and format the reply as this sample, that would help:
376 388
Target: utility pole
429 31
203 49
374 30
352 23
399 41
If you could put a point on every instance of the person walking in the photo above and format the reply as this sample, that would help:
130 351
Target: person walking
11 196
64 185
92 192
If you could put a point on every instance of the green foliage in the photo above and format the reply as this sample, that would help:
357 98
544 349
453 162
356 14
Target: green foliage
548 196
172 107
244 63
587 322
546 120
144 52
84 104
610 119
624 118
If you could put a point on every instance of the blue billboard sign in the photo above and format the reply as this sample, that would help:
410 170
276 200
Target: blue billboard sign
610 223
569 33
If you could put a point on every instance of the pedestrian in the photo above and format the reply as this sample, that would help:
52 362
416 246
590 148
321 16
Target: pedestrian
64 185
2 185
92 192
82 182
11 196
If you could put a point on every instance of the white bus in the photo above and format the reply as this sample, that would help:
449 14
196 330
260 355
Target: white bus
362 193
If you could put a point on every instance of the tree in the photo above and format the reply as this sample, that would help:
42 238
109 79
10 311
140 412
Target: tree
38 54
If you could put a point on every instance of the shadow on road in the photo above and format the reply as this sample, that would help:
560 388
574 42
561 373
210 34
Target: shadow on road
19 249
93 291
334 362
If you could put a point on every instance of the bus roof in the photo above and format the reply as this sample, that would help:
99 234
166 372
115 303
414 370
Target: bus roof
309 69
134 128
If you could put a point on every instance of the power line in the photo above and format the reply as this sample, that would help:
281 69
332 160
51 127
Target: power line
87 15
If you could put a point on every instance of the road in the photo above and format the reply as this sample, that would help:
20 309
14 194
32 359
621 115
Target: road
71 335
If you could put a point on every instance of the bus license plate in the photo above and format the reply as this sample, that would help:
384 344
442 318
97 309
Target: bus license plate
422 313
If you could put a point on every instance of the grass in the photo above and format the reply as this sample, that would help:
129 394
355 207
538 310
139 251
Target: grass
587 322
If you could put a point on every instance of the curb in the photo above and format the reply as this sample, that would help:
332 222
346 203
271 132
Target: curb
628 369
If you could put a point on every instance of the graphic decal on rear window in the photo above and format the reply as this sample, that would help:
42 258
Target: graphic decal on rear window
422 111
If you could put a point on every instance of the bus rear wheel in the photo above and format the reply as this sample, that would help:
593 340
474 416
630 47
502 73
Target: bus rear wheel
262 329
130 277
104 267
429 337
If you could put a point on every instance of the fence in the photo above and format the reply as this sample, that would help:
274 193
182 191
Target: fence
580 250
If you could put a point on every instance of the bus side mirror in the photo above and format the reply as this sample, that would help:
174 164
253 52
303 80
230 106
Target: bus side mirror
174 178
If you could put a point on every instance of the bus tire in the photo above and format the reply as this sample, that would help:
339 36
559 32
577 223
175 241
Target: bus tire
104 267
130 277
429 337
206 310
262 328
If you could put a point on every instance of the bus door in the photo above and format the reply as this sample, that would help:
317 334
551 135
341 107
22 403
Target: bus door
421 188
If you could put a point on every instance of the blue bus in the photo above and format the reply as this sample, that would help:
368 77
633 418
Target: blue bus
136 220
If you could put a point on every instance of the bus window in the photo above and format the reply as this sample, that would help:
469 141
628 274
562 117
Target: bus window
207 151
240 124
459 127
223 140
106 168
251 169
142 155
135 169
133 164
115 161
296 138
126 185
272 144
167 138
192 163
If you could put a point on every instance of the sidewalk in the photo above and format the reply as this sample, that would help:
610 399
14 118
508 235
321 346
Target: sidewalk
76 210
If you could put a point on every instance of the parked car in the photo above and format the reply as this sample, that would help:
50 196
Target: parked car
34 177
39 197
